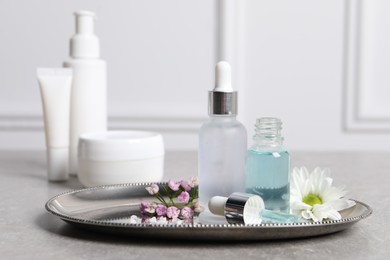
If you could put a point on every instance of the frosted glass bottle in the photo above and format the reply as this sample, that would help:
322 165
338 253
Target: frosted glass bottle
222 149
268 166
222 142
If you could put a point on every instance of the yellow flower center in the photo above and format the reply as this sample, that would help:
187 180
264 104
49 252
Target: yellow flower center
312 199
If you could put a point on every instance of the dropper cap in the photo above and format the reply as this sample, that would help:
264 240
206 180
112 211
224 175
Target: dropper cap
238 208
223 100
84 44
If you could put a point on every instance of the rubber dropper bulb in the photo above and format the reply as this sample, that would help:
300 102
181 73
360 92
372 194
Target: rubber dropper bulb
223 77
217 205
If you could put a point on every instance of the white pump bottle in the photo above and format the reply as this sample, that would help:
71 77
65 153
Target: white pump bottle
88 108
222 142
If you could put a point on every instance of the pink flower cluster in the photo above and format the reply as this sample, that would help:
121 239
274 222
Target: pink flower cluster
177 200
171 212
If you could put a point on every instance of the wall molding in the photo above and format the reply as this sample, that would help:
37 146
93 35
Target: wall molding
354 120
34 123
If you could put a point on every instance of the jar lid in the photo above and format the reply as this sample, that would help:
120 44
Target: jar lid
120 145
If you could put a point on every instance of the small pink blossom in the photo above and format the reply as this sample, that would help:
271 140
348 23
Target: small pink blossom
151 208
187 221
153 189
161 210
185 185
173 212
143 206
186 212
197 207
193 181
173 185
184 197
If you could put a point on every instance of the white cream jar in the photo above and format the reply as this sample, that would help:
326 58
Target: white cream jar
114 157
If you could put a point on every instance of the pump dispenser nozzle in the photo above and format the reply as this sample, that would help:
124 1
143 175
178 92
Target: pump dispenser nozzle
84 44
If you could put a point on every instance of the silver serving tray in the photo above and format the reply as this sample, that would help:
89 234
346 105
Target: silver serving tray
108 208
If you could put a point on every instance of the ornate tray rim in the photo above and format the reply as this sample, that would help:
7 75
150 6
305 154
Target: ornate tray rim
199 226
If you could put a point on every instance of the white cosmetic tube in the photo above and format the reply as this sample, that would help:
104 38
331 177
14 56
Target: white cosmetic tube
55 85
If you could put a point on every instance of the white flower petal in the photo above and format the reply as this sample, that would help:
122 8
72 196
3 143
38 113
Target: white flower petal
329 181
305 172
299 205
351 203
308 214
334 193
326 172
319 211
306 188
341 204
334 215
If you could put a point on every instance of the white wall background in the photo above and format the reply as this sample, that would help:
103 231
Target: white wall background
311 63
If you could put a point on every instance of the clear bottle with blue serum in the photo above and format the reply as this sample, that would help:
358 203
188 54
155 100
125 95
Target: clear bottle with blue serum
267 167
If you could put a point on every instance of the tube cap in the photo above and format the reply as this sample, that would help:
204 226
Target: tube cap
57 164
238 208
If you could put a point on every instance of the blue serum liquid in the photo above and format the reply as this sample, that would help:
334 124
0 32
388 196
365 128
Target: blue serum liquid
267 175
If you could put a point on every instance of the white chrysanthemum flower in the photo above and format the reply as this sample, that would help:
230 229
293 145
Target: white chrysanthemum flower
313 197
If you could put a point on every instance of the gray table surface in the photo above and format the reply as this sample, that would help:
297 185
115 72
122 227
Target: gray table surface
27 231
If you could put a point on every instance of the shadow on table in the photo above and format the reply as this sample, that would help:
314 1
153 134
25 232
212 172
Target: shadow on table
72 184
56 226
